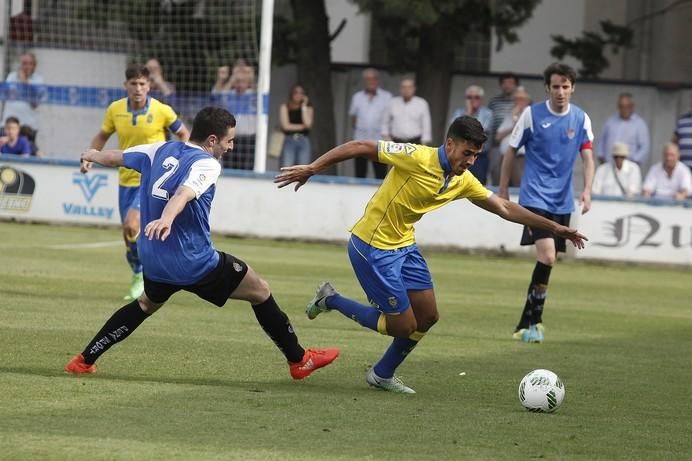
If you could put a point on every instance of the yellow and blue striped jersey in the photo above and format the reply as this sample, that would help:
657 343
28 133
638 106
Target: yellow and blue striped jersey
420 181
145 126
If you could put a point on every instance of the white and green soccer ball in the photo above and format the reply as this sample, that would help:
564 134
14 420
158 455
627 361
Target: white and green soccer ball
541 391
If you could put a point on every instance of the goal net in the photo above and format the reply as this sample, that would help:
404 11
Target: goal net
199 52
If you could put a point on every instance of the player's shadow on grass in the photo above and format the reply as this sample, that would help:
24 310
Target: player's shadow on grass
311 384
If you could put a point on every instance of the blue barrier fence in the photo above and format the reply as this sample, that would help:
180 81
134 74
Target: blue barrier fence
101 97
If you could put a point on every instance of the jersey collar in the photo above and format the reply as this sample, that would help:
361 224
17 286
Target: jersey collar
444 163
141 111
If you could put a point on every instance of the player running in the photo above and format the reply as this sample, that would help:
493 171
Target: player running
382 247
178 186
137 119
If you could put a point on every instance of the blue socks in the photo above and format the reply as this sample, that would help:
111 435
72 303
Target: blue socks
394 356
132 255
365 315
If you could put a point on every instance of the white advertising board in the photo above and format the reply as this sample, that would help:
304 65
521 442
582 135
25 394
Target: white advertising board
617 230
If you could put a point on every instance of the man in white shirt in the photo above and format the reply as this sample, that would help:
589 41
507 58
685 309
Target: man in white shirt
408 117
368 107
670 178
619 178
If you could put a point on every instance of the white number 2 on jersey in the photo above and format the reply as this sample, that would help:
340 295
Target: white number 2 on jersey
157 190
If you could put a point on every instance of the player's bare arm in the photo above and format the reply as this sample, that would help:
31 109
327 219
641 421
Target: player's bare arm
299 174
109 158
516 213
159 229
97 143
506 172
589 169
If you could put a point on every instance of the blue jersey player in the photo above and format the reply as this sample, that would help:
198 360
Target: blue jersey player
178 185
553 133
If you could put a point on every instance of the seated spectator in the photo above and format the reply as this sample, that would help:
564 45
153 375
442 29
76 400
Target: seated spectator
25 108
627 127
475 108
158 84
223 80
620 177
12 142
521 100
296 116
670 178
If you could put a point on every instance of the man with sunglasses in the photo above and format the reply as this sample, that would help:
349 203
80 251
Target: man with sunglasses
475 108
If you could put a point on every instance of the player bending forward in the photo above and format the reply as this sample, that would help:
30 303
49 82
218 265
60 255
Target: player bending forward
382 248
178 185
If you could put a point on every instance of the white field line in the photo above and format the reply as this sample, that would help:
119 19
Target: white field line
78 246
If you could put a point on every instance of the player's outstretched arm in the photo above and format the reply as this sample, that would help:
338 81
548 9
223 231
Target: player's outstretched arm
516 213
160 229
110 158
299 174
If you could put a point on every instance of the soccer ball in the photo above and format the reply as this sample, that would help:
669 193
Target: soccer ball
541 391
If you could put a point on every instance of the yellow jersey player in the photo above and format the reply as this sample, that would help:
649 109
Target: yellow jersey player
382 247
137 119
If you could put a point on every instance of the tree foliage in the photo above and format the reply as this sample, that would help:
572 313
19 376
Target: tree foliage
590 47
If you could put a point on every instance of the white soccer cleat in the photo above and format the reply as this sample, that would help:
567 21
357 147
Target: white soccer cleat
393 384
317 305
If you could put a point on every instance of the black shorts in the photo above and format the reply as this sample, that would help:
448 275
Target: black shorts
531 234
216 287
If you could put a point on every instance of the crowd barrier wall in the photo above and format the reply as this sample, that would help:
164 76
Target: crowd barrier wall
250 205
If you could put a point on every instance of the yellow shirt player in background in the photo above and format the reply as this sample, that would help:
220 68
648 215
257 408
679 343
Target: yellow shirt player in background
382 247
136 119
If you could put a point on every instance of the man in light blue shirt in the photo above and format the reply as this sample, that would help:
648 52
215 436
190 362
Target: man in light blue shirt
368 109
474 107
625 127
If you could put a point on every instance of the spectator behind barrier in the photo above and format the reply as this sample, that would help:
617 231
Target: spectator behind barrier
296 116
669 178
25 103
368 108
407 119
223 81
683 137
501 105
161 88
628 127
620 177
242 157
521 99
475 108
12 142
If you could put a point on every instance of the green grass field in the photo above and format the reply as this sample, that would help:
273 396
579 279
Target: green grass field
197 382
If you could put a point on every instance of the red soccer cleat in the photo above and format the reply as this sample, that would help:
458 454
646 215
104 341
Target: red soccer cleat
313 359
78 366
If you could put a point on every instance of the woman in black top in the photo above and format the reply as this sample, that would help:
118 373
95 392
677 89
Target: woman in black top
296 116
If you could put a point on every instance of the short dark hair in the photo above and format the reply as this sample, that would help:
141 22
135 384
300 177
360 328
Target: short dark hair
467 128
136 71
560 69
211 121
507 75
12 120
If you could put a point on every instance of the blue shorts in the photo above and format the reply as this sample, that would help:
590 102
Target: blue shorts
128 198
386 275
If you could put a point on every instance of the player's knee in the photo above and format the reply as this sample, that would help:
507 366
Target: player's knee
147 305
260 291
428 321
